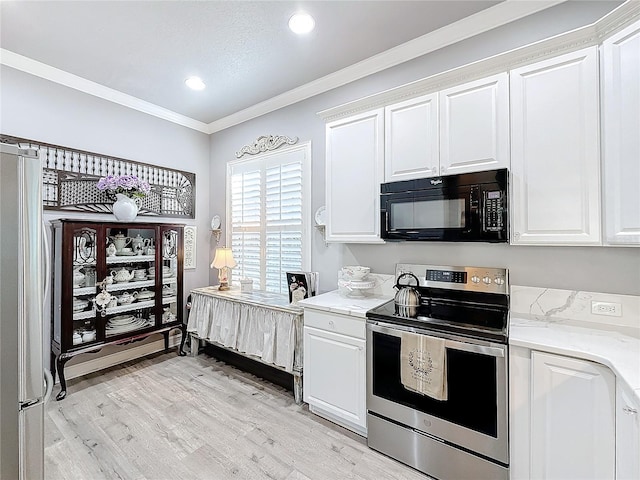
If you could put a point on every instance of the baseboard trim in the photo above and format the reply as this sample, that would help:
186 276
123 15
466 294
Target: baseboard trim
92 365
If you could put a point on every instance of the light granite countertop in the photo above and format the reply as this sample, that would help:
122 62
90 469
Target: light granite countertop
334 302
564 325
354 305
259 298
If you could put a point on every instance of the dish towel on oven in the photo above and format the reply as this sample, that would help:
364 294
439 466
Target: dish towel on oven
423 365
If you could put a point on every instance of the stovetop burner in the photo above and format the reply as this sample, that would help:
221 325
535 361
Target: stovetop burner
467 301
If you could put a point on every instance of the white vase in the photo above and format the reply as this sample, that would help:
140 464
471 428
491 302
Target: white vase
125 209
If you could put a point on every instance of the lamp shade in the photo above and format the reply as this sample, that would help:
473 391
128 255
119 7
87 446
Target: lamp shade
223 258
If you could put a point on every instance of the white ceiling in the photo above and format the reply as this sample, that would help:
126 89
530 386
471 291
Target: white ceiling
243 50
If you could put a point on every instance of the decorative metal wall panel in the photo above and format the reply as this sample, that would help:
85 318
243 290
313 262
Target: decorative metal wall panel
70 176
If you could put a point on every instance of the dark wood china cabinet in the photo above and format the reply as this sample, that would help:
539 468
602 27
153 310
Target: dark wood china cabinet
113 283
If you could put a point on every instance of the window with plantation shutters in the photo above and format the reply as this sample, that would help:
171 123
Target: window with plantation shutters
268 199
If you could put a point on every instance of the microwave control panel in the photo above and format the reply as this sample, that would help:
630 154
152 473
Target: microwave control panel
493 209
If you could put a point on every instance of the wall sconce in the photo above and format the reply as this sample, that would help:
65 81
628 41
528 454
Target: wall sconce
223 261
215 228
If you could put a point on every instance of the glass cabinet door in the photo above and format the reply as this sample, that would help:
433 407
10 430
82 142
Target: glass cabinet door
83 254
130 278
169 274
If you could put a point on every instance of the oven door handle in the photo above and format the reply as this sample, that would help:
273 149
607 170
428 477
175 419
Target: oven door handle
394 330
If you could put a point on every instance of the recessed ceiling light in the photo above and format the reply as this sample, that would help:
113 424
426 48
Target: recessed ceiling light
301 23
195 83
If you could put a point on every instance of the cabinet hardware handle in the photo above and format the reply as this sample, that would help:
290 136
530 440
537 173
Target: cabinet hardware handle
629 410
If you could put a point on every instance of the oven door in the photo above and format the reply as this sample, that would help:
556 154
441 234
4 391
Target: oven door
447 214
473 417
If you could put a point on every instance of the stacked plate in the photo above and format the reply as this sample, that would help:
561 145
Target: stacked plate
125 323
79 305
353 281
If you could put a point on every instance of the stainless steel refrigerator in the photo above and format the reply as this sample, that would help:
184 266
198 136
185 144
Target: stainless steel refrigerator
24 382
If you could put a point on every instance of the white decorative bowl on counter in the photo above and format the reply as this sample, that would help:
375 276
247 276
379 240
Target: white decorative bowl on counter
355 288
355 272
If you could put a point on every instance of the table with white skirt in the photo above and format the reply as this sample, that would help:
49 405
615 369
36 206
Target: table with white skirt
259 325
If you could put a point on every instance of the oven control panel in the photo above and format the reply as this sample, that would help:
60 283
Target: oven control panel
446 276
477 279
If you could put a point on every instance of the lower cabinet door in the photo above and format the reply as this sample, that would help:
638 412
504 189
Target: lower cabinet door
334 377
572 419
627 435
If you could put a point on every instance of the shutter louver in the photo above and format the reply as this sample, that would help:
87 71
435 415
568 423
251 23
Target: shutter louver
267 221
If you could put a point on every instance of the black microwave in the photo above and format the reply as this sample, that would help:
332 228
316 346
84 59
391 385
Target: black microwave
469 207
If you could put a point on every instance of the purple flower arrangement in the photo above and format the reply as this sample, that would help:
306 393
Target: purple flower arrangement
129 185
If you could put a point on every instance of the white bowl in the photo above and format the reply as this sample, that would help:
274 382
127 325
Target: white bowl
355 272
89 336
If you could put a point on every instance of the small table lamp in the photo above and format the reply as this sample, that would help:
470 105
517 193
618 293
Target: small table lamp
223 261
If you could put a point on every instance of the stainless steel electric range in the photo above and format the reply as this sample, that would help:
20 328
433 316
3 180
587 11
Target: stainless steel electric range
466 435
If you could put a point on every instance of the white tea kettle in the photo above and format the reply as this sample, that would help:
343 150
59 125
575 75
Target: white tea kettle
407 298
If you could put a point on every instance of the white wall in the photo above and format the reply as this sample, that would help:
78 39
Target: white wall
596 269
37 109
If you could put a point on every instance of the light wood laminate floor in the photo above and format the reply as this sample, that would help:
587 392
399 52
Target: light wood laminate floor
170 417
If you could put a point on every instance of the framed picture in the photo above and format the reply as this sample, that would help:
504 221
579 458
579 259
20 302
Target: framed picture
301 285
189 247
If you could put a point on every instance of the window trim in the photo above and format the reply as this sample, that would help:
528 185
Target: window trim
305 148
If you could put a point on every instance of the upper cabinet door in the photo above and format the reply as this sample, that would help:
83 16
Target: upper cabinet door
411 139
555 151
621 140
474 126
355 170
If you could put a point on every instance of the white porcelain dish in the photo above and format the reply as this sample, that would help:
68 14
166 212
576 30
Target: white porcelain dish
145 294
355 272
321 215
137 324
121 320
355 288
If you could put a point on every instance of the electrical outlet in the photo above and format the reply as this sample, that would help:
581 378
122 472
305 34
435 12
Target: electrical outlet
606 308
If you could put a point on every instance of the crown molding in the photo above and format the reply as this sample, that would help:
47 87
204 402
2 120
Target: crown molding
583 37
501 14
42 70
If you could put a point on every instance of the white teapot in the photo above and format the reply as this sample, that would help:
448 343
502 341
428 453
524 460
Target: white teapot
120 241
139 244
122 275
127 298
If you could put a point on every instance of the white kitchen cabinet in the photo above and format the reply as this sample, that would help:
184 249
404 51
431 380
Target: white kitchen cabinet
562 417
627 435
555 160
355 169
458 130
474 126
411 139
621 140
572 419
334 381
